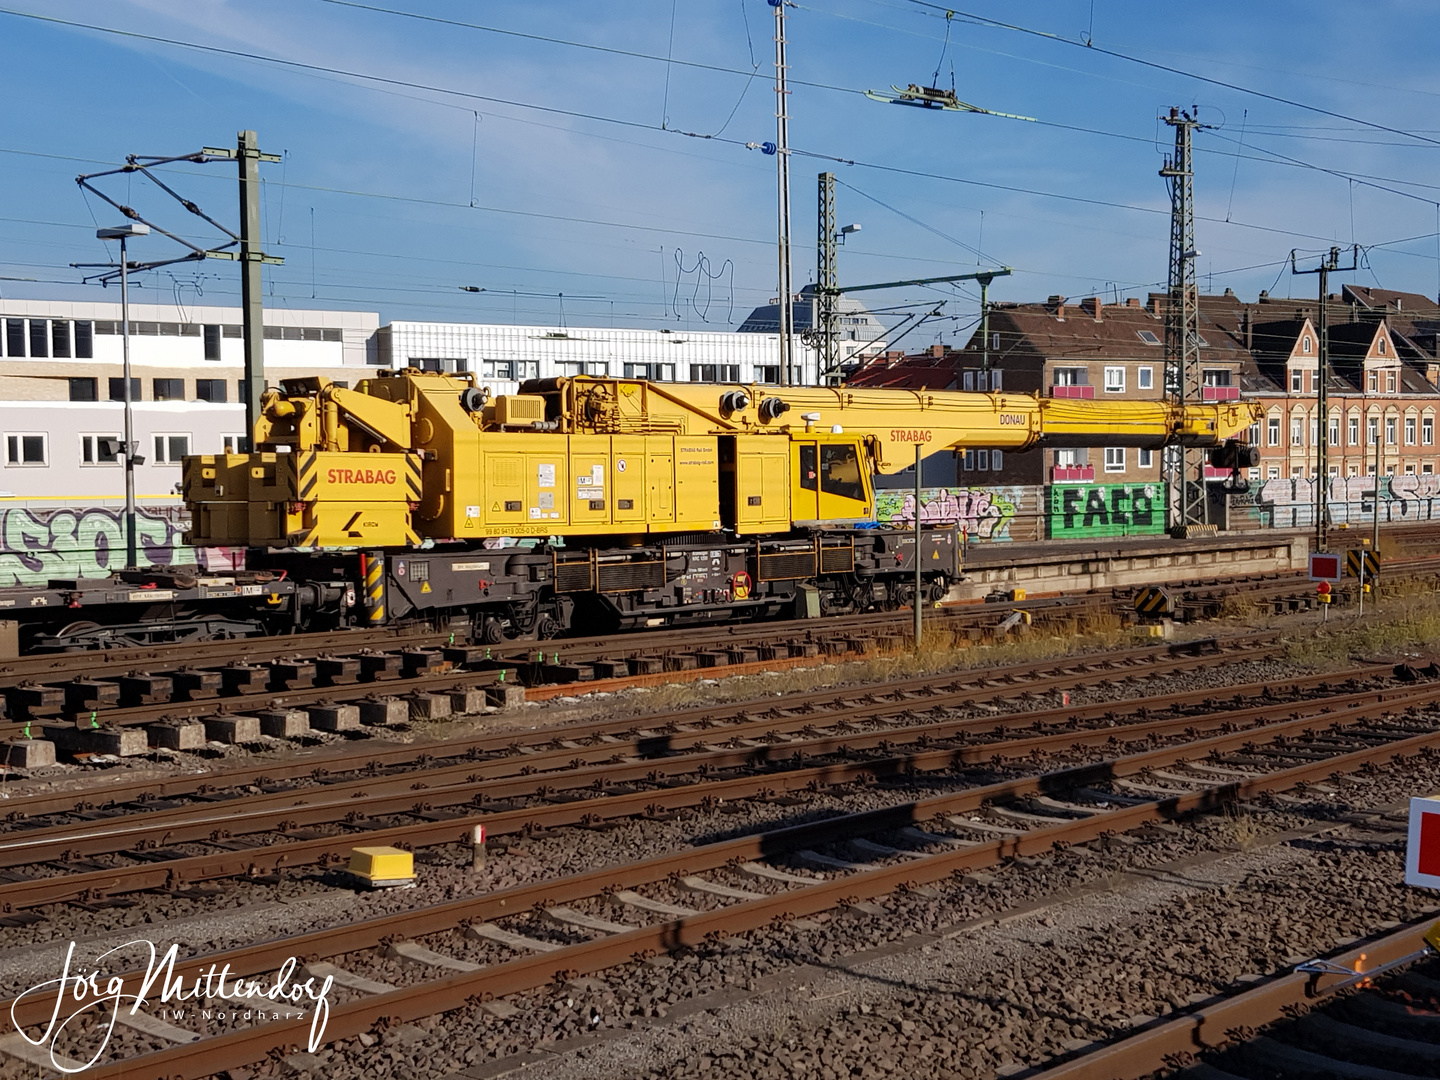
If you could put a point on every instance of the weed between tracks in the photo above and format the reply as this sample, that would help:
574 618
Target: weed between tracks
939 653
1406 620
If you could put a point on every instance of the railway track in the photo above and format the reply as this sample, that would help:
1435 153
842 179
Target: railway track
1328 1021
746 748
520 938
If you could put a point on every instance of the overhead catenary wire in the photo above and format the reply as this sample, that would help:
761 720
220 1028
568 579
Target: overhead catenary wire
639 125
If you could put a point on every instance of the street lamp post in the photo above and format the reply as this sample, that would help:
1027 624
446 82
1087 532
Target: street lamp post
122 233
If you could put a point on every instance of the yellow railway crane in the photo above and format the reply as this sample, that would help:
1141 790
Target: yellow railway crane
722 488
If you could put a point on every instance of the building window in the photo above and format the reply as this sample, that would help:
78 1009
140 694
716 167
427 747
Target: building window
1114 380
967 381
236 444
14 337
654 372
982 459
1373 382
117 389
1272 429
1148 337
995 378
169 449
1390 426
714 372
1297 431
1382 344
1147 458
1354 431
212 390
1069 376
1215 377
441 364
1296 380
997 459
1145 378
967 460
1427 467
25 450
1273 472
994 341
1333 434
767 373
1305 345
1372 430
39 345
1069 458
1390 382
99 449
84 339
1409 431
1427 431
83 388
60 339
1114 459
212 343
169 389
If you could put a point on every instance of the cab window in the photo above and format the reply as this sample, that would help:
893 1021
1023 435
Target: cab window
840 472
807 466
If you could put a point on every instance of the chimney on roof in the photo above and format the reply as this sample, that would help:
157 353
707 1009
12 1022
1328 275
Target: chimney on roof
1264 295
937 350
1133 301
1229 291
1092 305
1056 303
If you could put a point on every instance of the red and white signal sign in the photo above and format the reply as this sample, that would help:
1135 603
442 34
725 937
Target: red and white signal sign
1325 567
1422 853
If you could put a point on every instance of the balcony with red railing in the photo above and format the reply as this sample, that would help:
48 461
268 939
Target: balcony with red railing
1072 474
1219 393
1085 393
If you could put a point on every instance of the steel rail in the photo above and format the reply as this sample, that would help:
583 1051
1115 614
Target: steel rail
931 691
266 858
207 1056
1172 1043
690 753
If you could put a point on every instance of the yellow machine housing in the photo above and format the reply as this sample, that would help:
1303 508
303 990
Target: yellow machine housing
411 456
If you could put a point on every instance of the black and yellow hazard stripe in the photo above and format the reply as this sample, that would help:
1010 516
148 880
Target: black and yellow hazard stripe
1152 600
375 587
309 474
1372 563
414 485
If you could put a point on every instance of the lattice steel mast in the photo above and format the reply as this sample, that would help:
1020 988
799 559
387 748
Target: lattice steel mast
1183 468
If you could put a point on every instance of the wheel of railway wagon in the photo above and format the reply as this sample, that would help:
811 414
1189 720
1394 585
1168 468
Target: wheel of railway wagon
491 632
546 627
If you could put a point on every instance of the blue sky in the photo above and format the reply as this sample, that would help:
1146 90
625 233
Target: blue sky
532 168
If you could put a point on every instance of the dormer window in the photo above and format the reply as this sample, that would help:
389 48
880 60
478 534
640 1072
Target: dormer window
1148 337
1305 345
1382 346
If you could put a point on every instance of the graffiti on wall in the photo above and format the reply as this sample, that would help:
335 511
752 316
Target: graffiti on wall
1288 503
1086 510
983 513
38 545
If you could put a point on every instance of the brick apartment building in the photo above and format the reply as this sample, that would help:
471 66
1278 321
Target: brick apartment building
1385 367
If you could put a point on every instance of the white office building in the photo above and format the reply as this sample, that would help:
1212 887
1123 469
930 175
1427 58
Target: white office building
61 388
502 357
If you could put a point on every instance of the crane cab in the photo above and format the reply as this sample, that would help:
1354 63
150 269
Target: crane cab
829 481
